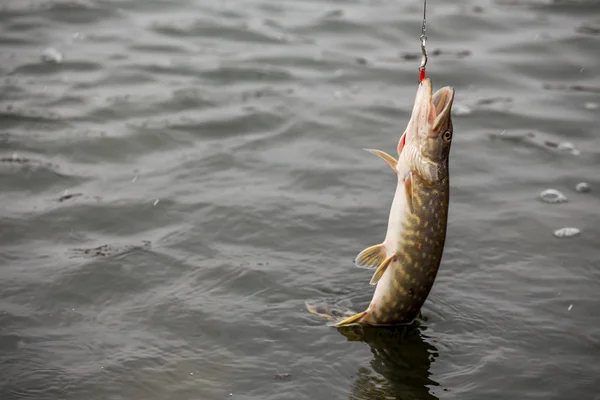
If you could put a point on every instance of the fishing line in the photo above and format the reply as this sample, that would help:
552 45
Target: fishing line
423 39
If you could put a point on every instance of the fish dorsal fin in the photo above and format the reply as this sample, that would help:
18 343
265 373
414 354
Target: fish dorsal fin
371 257
408 188
392 162
381 270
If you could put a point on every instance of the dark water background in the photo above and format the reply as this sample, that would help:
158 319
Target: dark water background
191 172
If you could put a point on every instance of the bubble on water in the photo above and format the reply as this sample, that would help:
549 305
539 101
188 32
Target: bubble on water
553 196
566 232
568 146
591 105
461 110
283 376
583 187
51 55
565 146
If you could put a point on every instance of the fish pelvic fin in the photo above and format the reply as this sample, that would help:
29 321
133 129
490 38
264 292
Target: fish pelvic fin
352 320
381 269
392 162
371 257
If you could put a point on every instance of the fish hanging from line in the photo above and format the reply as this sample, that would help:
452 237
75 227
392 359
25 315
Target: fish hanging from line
407 261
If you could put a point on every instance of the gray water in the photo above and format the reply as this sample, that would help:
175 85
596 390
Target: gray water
180 176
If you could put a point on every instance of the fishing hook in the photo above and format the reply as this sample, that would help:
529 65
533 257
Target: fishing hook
423 39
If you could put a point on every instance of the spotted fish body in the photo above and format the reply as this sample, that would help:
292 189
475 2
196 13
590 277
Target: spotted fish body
407 261
406 283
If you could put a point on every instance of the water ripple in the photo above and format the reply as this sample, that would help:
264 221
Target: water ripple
215 29
66 66
26 376
181 176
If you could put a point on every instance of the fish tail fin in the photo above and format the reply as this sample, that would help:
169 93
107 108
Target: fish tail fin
353 319
327 311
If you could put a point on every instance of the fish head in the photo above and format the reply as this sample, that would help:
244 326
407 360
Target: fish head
428 136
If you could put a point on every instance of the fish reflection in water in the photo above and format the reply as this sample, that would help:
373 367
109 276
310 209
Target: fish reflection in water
402 357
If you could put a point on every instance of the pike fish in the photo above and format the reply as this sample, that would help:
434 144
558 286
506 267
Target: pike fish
407 261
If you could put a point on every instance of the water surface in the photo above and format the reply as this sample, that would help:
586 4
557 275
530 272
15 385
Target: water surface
179 177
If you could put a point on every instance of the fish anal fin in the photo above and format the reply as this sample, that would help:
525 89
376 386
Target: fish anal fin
353 319
371 257
392 162
408 188
381 270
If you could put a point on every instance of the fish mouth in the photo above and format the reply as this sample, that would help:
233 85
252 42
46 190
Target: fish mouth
442 102
423 109
432 112
431 116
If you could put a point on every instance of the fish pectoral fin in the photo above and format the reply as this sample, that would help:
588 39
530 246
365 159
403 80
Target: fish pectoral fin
381 269
402 143
392 162
408 188
371 257
351 320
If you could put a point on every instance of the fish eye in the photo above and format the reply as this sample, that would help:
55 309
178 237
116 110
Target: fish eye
447 136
